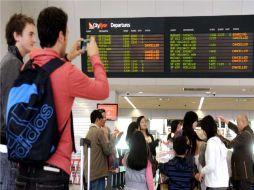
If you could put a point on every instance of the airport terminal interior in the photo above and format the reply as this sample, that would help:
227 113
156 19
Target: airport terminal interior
163 58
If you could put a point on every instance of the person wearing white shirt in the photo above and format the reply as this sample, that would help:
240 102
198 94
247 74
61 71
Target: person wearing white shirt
215 172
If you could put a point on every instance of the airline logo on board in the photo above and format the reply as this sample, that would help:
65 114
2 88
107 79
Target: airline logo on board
95 25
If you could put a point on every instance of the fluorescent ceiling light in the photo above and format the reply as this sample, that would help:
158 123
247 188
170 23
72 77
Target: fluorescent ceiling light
128 100
201 103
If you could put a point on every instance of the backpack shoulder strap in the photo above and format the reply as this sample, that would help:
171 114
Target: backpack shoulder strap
72 132
52 65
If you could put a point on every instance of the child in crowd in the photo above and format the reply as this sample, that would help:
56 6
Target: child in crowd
180 168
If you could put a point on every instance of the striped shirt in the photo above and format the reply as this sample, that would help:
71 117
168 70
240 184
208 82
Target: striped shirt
180 173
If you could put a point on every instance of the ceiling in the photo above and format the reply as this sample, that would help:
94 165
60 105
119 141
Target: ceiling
188 103
174 97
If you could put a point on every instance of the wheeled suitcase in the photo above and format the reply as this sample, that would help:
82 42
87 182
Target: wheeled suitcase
83 142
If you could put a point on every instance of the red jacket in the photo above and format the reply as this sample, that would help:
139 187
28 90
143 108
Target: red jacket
67 83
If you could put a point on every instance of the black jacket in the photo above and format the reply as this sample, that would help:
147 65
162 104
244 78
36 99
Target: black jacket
241 161
153 145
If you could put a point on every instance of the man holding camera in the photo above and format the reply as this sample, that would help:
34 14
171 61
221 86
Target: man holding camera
67 83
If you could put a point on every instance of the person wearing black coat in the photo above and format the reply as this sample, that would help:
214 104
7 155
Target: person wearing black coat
142 126
241 161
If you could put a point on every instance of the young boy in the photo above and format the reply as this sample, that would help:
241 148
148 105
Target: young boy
20 37
180 168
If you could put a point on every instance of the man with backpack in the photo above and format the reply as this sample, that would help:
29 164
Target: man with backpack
20 36
67 82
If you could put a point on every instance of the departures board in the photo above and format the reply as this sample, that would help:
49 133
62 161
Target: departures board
166 47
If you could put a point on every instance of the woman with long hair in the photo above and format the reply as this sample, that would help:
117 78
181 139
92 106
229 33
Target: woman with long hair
190 122
138 173
142 126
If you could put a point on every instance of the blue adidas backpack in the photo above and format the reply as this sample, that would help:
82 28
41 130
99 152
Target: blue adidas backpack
32 130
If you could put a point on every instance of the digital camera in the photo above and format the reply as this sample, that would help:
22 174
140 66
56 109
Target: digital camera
84 43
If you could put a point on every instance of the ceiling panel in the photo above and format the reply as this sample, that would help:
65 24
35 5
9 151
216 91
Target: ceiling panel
222 91
188 103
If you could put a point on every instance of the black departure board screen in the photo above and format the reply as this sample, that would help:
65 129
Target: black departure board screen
209 46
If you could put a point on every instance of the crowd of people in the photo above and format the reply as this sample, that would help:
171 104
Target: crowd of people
199 162
201 159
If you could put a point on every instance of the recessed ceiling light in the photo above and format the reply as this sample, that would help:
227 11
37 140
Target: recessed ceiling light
140 92
160 99
128 100
244 90
201 103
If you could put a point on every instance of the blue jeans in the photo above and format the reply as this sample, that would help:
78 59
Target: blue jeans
35 178
8 173
98 184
